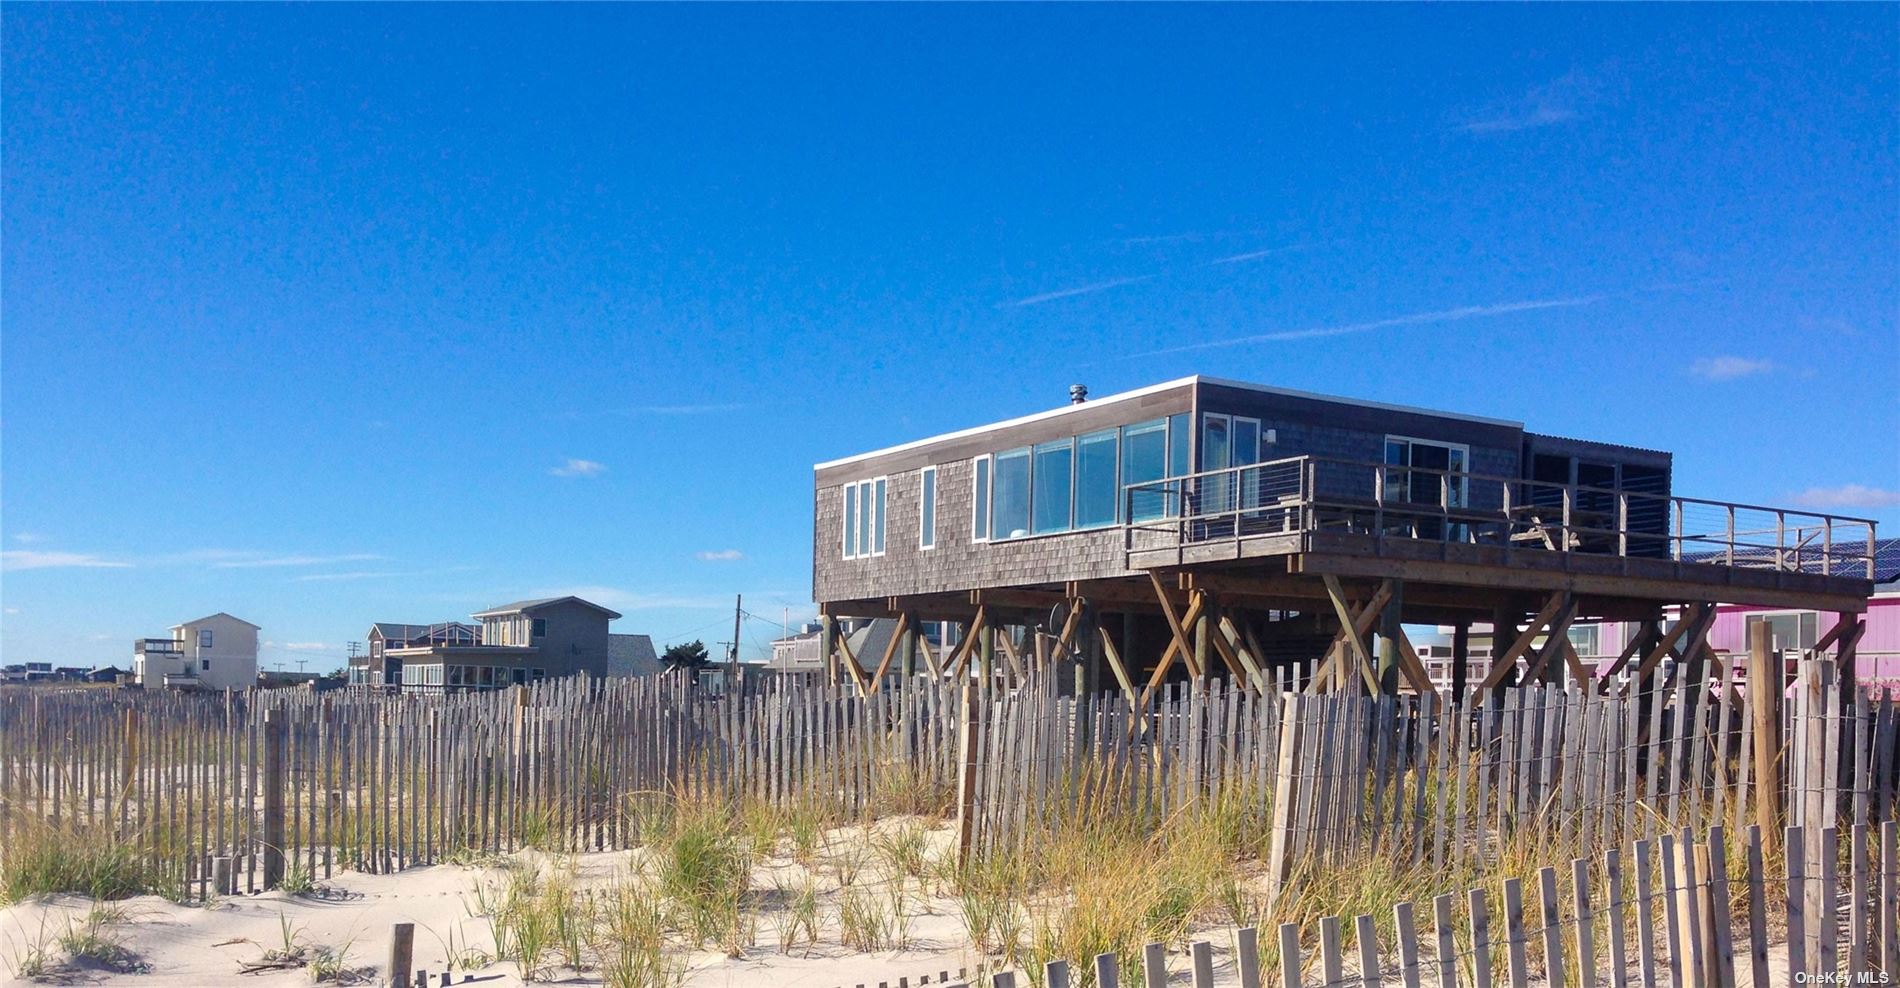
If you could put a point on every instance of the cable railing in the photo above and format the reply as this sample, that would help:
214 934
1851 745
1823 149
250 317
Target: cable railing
1305 495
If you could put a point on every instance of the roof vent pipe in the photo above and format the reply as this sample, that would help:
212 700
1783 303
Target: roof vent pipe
1078 393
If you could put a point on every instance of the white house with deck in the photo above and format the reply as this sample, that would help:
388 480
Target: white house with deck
212 653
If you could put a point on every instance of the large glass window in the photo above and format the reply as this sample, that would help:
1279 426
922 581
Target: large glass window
927 509
1081 482
1095 494
1247 452
1145 459
1009 501
1216 445
1178 446
980 499
1054 473
1426 482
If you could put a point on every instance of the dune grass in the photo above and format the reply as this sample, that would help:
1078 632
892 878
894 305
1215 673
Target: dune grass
39 858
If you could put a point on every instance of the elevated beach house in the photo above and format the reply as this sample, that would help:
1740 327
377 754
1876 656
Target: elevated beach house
1207 527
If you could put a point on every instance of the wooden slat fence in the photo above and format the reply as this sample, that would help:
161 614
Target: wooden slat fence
378 782
1672 910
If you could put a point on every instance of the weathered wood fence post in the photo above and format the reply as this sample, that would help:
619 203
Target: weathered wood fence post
402 944
968 724
1282 847
1764 702
274 742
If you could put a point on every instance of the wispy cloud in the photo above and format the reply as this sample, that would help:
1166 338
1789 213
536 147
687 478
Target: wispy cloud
350 575
378 574
261 562
579 468
308 647
1188 237
635 600
1413 319
720 555
1729 367
28 538
21 559
1826 326
1100 286
1566 98
1848 496
1255 255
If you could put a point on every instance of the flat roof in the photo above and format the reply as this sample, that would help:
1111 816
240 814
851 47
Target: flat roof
1195 379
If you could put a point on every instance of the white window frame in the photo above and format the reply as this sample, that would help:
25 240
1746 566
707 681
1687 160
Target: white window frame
880 522
927 496
1749 617
1464 482
980 506
877 513
847 521
204 638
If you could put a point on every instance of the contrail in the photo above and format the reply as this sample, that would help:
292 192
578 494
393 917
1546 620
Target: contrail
1071 292
1415 319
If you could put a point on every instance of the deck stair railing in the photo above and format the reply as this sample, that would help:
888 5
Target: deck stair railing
1301 495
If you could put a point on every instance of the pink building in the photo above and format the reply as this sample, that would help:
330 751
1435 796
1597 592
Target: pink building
1877 656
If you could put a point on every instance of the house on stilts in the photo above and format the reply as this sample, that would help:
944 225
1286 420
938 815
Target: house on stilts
1213 528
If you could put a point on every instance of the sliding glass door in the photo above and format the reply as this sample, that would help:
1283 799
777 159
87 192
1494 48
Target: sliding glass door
1229 442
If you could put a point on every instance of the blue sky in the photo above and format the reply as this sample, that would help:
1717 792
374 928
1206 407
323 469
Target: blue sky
323 315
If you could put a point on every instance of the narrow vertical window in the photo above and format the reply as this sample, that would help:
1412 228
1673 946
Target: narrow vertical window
927 509
980 500
850 520
864 518
877 546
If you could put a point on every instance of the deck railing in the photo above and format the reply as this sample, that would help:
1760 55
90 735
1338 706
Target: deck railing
1310 494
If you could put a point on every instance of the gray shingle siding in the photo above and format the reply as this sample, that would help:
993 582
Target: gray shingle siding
576 639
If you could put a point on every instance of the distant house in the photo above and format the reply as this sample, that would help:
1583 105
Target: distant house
1598 644
26 672
800 653
374 669
45 673
631 655
522 642
803 653
277 679
214 652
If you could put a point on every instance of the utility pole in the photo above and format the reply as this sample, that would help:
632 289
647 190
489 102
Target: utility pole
732 658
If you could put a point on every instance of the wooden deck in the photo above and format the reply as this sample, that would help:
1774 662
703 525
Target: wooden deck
1502 568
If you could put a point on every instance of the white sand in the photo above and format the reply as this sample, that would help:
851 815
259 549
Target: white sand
206 945
201 945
